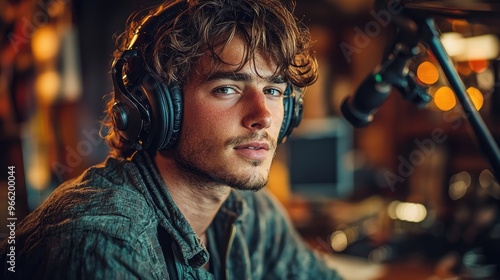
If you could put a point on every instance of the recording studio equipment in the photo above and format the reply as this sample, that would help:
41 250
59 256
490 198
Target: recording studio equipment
415 24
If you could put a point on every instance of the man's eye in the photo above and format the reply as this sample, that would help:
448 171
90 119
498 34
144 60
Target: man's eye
225 90
274 92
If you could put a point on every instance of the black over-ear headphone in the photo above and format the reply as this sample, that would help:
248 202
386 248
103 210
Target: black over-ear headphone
146 113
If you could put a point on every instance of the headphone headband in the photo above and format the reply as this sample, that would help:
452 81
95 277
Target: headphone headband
150 23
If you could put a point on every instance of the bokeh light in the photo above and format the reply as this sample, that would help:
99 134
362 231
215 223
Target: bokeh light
45 43
47 86
479 66
411 212
459 184
338 241
444 98
427 73
476 96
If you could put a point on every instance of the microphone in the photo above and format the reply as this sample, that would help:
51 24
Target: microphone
392 73
371 94
376 88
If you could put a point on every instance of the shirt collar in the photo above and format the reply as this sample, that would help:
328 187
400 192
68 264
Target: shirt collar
152 186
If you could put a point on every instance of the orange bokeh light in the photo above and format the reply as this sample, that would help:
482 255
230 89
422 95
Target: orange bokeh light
427 73
476 96
479 66
464 68
444 98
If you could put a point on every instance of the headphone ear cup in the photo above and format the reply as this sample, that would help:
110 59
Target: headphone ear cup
128 113
293 107
285 125
127 121
174 94
146 113
159 105
166 113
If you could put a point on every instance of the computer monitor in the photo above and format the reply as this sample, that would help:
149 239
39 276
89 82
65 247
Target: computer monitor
318 157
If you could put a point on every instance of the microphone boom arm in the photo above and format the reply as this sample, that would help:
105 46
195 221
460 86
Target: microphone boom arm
487 144
393 72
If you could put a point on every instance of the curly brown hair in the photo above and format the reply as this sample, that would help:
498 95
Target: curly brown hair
206 25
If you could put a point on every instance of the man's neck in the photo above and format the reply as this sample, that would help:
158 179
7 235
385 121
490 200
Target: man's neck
199 202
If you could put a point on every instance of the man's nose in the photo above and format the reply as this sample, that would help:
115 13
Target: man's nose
258 115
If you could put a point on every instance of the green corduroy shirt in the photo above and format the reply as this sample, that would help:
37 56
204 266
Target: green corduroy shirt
118 221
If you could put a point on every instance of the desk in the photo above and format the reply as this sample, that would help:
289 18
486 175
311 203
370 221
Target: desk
353 268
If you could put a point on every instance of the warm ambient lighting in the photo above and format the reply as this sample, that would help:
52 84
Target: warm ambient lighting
476 96
391 209
483 47
457 190
479 66
489 183
47 86
407 211
338 241
427 73
486 179
451 42
411 212
38 175
444 98
463 68
459 184
342 237
45 43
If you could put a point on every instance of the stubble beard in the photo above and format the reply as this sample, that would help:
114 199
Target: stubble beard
188 161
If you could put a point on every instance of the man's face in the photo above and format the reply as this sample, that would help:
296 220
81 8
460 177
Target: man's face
231 120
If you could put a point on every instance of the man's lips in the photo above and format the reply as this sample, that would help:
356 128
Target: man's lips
253 146
253 150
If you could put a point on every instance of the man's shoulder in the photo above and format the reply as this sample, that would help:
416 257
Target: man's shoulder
102 212
102 189
101 200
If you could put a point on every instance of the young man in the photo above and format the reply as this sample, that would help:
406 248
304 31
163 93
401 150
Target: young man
203 95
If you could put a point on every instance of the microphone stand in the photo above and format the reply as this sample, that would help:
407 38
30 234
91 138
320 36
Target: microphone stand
423 26
482 259
413 28
430 34
393 72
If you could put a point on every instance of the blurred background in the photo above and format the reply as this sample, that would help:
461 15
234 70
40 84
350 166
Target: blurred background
409 196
